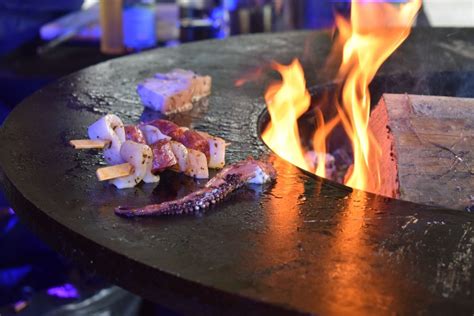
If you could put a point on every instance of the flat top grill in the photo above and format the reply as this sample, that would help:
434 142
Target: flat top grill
302 245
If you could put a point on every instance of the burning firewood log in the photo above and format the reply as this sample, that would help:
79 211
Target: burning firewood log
427 147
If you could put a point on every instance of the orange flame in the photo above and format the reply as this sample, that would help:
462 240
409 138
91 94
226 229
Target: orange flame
319 141
375 31
286 102
372 35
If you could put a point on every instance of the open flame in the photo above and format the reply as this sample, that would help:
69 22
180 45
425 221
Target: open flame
286 102
374 32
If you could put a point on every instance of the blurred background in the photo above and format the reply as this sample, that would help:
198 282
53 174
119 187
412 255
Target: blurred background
41 41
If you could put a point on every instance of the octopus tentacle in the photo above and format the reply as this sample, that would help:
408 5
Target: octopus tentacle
225 182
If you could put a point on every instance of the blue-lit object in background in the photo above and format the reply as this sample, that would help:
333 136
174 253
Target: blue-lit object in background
8 221
11 222
64 291
9 277
318 14
371 1
220 22
139 24
230 5
27 264
4 110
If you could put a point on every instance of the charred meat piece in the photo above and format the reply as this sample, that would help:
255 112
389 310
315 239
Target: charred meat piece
163 156
189 138
133 133
192 139
165 126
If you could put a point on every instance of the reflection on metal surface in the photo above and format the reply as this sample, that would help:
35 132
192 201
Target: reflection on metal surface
283 211
350 259
345 276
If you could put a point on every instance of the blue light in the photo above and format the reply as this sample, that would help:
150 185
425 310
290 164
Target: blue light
12 276
139 31
370 1
12 221
64 291
218 22
230 5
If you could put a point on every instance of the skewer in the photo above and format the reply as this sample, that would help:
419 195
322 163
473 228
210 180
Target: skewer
89 143
110 172
116 171
96 144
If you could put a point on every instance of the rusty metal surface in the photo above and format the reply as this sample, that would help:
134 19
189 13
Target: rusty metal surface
303 245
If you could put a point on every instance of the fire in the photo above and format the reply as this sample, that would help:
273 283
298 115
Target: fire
286 102
374 32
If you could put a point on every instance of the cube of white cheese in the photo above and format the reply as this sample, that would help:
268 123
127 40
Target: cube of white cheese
166 96
174 91
200 85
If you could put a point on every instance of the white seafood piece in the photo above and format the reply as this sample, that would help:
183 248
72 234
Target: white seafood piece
140 157
196 165
217 152
152 134
150 177
109 127
181 154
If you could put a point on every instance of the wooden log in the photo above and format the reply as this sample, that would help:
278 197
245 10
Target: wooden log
427 147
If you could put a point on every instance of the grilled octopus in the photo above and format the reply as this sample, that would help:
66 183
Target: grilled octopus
225 182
